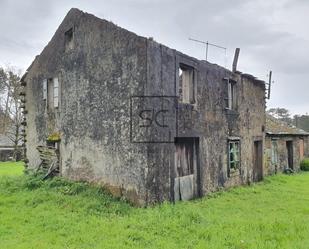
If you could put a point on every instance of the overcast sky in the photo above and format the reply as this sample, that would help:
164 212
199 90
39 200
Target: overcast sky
272 34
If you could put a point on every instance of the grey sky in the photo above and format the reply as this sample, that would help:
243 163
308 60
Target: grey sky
272 34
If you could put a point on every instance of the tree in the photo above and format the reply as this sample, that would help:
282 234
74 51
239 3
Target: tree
281 114
302 121
10 102
3 100
3 78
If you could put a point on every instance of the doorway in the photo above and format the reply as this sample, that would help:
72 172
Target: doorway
289 148
257 161
186 180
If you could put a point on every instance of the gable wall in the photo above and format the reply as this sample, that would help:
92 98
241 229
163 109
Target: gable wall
97 78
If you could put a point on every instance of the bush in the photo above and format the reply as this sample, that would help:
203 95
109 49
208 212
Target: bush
304 164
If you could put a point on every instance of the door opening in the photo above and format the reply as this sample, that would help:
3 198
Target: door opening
186 181
289 148
257 161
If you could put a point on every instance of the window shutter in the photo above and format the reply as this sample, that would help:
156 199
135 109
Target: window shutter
230 95
45 89
191 87
185 87
56 93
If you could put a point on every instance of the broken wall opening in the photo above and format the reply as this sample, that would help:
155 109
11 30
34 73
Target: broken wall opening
186 84
68 40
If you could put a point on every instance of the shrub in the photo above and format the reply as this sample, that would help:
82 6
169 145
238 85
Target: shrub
304 164
54 137
33 182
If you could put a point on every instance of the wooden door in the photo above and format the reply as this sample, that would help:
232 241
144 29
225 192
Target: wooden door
289 148
186 181
257 161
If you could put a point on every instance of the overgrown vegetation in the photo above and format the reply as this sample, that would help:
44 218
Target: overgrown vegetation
54 137
304 164
61 214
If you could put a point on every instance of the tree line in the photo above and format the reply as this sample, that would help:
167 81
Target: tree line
300 121
11 116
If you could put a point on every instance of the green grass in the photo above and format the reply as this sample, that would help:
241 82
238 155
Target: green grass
11 168
61 214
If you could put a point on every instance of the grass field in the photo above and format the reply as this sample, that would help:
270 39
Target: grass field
60 214
11 169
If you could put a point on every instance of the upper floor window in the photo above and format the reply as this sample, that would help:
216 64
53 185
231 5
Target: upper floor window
51 92
68 39
186 84
232 96
56 92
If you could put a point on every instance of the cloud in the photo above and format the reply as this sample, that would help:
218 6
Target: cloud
271 34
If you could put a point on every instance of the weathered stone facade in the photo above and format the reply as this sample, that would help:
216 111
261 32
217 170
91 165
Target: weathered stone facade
285 146
122 122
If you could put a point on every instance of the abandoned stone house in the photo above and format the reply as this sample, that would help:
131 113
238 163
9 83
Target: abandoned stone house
285 146
146 121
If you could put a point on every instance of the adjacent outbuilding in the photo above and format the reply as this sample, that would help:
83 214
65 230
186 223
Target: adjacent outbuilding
285 146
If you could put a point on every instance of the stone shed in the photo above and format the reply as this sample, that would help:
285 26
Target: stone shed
6 148
146 121
285 146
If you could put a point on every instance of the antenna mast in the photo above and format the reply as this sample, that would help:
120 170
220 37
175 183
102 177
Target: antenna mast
208 44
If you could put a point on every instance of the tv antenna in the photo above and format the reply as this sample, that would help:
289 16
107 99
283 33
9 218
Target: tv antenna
208 44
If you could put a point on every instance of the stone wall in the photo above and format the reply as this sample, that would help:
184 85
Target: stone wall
108 79
97 78
208 119
272 167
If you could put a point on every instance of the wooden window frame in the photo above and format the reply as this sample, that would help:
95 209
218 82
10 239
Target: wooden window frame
45 89
51 93
56 92
191 98
236 156
232 94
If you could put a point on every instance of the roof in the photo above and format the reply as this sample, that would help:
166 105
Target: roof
277 127
251 77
